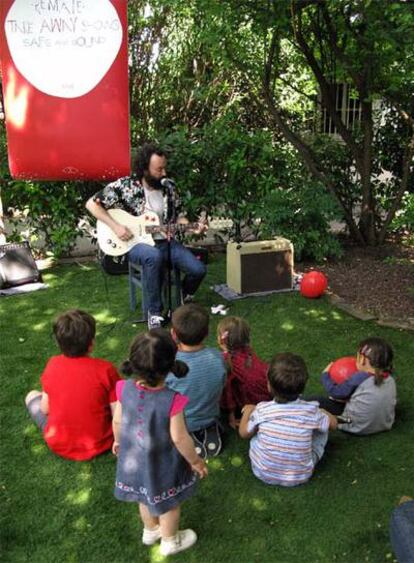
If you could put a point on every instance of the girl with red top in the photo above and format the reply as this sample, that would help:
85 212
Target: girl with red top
247 374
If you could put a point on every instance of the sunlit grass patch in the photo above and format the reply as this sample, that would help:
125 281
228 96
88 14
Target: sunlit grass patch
58 510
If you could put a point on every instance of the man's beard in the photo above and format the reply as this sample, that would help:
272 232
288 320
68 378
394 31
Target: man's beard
154 183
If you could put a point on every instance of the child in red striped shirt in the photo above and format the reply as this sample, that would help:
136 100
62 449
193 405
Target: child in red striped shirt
247 374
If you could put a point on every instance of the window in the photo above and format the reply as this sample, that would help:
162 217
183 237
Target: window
348 108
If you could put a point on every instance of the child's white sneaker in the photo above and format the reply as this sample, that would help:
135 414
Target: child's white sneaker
149 537
182 540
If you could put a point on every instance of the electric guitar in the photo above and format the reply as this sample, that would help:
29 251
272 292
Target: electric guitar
141 227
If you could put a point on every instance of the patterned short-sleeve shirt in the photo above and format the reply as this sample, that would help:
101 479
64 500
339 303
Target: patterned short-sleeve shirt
128 193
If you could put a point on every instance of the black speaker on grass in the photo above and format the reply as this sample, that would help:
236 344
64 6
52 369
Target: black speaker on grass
17 265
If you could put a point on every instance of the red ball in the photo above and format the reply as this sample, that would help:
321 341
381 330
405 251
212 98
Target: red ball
343 368
313 284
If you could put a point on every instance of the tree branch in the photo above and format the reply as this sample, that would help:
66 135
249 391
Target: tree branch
325 88
311 162
339 53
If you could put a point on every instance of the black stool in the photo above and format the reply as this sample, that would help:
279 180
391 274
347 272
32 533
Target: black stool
137 280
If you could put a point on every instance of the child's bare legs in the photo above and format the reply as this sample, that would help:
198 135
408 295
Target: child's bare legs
152 530
165 527
32 401
150 521
173 540
169 522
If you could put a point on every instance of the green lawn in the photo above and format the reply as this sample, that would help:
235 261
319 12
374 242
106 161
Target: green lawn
56 510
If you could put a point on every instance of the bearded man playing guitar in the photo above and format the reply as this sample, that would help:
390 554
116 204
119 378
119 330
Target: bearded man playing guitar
143 194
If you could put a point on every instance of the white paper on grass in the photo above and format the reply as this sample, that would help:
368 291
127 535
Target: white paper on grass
63 47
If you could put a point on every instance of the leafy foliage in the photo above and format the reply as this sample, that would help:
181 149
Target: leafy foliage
233 89
404 218
302 215
47 213
223 167
256 182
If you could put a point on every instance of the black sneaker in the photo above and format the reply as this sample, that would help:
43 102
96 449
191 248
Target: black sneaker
199 438
212 442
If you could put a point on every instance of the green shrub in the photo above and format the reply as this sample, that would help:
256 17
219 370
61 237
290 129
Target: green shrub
47 214
222 167
253 180
302 214
403 221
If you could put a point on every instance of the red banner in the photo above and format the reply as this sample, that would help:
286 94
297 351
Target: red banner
65 87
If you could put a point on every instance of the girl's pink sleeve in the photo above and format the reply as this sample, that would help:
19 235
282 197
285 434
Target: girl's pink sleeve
178 405
119 387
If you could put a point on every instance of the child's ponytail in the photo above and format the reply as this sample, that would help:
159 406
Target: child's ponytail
126 368
380 375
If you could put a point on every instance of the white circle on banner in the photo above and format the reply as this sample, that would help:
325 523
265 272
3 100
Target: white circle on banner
63 47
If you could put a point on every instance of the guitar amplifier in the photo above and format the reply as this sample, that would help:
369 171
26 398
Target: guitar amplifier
257 266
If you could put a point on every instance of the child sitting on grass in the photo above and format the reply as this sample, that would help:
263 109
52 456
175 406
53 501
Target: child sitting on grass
247 374
368 398
205 380
157 463
288 435
78 392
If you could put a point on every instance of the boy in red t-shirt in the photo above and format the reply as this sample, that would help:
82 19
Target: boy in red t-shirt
74 408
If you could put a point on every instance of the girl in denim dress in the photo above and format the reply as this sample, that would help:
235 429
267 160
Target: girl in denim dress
157 463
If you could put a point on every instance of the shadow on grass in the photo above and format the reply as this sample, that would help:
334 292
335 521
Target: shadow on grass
60 510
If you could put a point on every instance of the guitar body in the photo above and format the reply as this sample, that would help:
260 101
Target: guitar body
140 227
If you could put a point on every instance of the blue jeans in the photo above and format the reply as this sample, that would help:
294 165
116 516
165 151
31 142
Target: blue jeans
402 532
36 414
154 259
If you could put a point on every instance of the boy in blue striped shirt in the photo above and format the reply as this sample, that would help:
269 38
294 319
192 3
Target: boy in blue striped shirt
288 435
204 382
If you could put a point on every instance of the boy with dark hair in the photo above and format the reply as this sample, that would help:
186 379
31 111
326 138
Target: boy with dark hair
74 408
204 382
74 331
288 435
190 324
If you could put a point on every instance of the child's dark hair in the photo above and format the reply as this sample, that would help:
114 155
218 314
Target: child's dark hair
190 323
287 377
152 357
380 356
74 332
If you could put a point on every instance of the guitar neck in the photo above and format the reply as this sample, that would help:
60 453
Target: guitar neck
180 227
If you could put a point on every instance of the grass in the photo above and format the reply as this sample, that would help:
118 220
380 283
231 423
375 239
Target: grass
57 510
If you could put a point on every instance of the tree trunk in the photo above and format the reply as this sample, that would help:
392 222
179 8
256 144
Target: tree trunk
367 219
